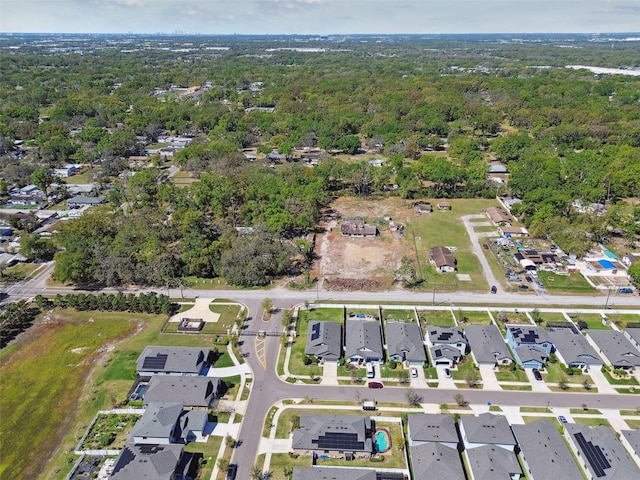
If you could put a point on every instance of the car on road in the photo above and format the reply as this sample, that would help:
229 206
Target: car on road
375 385
447 373
562 420
537 375
494 289
232 471
625 290
414 372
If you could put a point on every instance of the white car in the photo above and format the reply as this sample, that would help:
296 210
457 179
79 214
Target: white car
414 372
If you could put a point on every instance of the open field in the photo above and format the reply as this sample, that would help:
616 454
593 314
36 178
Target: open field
42 384
573 283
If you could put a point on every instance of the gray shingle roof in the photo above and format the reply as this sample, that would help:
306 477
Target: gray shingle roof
432 428
142 462
493 463
546 452
633 437
445 335
574 348
444 352
487 428
324 340
616 347
634 333
332 473
405 340
158 420
486 343
528 353
364 338
602 438
188 360
190 391
435 460
313 428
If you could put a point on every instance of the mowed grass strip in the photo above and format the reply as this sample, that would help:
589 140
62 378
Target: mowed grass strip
41 384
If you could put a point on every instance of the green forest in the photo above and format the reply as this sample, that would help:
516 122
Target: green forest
437 110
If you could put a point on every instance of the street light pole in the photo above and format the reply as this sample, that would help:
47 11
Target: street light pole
606 303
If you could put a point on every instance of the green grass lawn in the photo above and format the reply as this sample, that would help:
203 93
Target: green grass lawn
282 461
474 318
554 372
464 366
352 314
512 318
633 424
18 272
403 315
508 375
622 320
296 359
228 314
629 380
531 419
320 313
41 384
209 452
437 318
572 283
592 422
484 228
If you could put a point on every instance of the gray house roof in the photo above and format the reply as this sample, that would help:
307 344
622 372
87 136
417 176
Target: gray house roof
616 347
79 201
142 462
364 338
435 460
324 340
405 340
633 437
529 353
493 463
190 391
177 360
574 348
541 440
158 421
526 335
489 429
486 343
446 352
332 473
432 428
633 333
324 432
445 335
602 453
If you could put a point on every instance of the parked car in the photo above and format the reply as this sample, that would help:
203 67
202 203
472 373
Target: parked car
375 385
562 420
414 372
447 373
523 287
232 471
485 246
494 289
625 290
537 374
528 278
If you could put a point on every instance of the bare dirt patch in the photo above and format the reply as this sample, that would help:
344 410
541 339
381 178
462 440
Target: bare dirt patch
373 259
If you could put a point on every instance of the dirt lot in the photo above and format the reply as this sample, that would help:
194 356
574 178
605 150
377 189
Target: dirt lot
375 259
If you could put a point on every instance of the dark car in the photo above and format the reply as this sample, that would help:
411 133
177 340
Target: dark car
447 373
523 287
494 289
232 471
375 385
536 374
528 278
485 246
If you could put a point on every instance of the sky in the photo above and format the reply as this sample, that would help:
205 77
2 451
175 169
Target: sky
322 17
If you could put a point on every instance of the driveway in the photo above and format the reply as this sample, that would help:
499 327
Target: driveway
329 373
443 381
489 380
536 385
600 381
476 247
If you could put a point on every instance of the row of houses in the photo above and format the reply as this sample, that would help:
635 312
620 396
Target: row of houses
440 447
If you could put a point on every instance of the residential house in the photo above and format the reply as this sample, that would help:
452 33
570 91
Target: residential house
333 434
631 441
78 202
166 422
443 205
324 340
486 429
173 361
487 345
600 453
513 231
334 473
443 259
29 200
615 349
447 345
432 428
423 207
404 343
498 216
574 350
497 168
489 462
357 228
436 461
191 392
275 156
541 440
633 335
531 345
363 341
531 259
157 462
66 171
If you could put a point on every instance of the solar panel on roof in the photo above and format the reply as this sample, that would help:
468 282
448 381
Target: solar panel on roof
315 331
445 336
594 455
339 441
155 363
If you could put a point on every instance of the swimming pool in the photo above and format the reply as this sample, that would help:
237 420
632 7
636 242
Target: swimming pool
382 441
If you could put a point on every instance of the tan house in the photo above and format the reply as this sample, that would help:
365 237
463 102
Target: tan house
498 216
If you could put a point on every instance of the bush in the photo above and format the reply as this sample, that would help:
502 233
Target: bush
392 364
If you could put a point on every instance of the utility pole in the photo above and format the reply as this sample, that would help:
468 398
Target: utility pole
606 302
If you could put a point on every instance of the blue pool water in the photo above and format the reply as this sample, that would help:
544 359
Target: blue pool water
381 439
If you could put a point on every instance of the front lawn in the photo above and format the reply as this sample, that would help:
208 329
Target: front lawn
572 283
617 380
507 375
554 372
